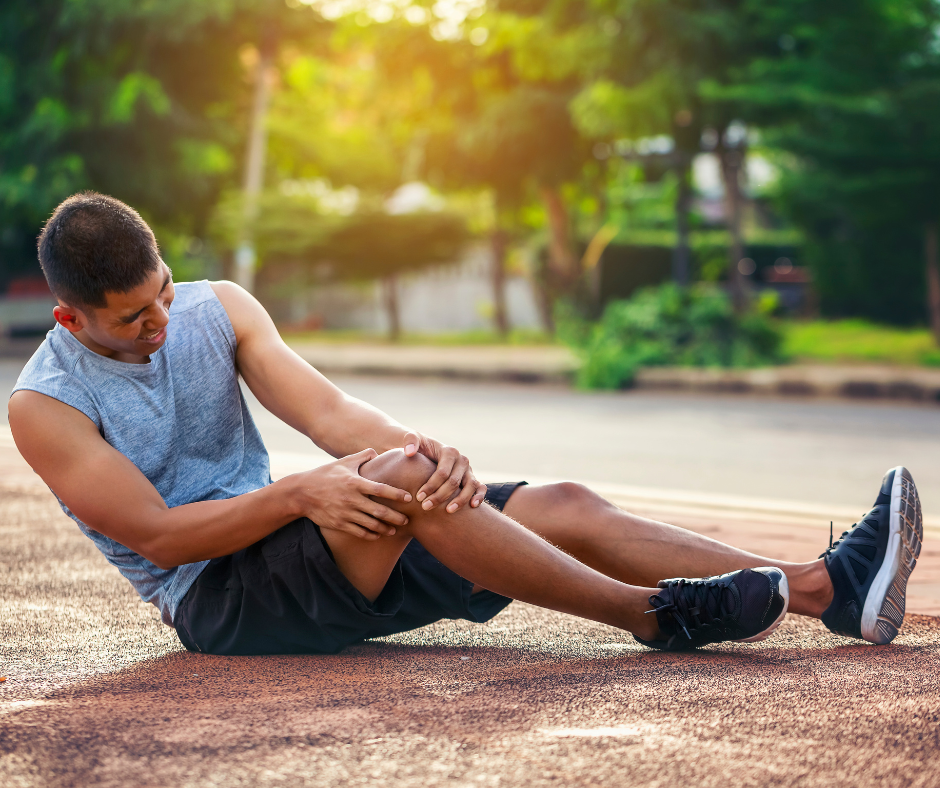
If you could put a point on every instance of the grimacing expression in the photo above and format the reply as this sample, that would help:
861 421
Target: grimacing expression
134 322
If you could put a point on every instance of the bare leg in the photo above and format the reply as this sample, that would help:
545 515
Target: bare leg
639 551
491 550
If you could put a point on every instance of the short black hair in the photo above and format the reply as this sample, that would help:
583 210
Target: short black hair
95 244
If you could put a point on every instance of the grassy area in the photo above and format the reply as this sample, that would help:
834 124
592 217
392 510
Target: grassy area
858 341
455 338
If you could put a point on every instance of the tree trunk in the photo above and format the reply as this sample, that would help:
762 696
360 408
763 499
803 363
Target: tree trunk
545 296
682 254
591 263
499 242
933 278
390 299
561 257
562 268
245 257
732 161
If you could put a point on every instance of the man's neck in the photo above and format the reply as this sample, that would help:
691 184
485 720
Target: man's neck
95 347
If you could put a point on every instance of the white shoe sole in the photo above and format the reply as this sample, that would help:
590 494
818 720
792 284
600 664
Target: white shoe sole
883 612
784 590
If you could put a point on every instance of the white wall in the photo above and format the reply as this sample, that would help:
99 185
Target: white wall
456 297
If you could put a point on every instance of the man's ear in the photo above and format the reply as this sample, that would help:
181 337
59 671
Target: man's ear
69 318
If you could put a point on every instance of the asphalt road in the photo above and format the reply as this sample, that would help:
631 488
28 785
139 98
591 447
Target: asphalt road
831 452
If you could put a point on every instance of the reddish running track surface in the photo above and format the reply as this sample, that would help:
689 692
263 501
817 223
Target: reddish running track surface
100 693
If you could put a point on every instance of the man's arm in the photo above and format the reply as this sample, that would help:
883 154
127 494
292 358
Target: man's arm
106 491
339 424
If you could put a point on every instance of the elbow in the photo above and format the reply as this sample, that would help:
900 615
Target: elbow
163 556
162 563
157 540
160 560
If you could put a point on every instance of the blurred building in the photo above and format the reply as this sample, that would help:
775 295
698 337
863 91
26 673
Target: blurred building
447 298
26 309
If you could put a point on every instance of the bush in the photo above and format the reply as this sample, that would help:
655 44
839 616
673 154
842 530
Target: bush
669 325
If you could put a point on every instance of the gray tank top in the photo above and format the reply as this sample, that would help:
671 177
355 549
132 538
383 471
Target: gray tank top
181 419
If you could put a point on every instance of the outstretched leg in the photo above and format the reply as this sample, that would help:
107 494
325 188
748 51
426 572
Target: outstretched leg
639 551
491 550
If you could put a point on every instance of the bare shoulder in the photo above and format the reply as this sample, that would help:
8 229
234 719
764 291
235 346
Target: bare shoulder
248 317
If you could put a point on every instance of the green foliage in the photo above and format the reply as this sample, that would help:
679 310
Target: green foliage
372 244
150 101
859 341
669 325
850 88
294 231
144 101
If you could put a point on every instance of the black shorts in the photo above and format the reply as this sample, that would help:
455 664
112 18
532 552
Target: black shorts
285 595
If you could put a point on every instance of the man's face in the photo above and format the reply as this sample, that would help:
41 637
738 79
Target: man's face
133 324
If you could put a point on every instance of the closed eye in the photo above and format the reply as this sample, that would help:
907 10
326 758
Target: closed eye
131 318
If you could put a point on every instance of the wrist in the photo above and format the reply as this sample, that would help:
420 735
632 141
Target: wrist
288 496
398 440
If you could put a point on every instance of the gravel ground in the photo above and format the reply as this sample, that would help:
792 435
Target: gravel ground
100 693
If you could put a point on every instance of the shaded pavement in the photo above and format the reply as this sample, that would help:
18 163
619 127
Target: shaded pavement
99 692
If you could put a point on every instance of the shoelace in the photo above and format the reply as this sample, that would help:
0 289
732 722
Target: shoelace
689 600
834 545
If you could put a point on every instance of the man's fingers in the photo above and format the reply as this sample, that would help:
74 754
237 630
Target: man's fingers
446 489
373 525
468 488
387 515
359 459
441 475
412 443
478 496
357 530
379 490
450 486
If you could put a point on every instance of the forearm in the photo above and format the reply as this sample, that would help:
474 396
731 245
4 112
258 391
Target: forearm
300 396
208 529
351 425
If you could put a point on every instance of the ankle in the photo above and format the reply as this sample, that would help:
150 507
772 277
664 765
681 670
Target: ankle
810 588
647 628
643 624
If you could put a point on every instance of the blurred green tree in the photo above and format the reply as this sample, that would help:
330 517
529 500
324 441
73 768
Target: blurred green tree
657 55
145 101
496 119
851 89
518 136
342 140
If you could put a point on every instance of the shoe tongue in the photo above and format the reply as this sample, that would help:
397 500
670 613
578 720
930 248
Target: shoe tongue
717 600
707 602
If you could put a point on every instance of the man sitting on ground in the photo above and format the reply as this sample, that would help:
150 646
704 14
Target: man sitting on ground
131 412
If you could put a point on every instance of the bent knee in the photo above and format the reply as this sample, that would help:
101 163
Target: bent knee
398 470
573 493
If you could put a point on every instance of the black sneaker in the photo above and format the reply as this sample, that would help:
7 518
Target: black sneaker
870 563
744 606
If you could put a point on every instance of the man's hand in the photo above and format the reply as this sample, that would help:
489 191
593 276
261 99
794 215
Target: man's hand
452 481
336 496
